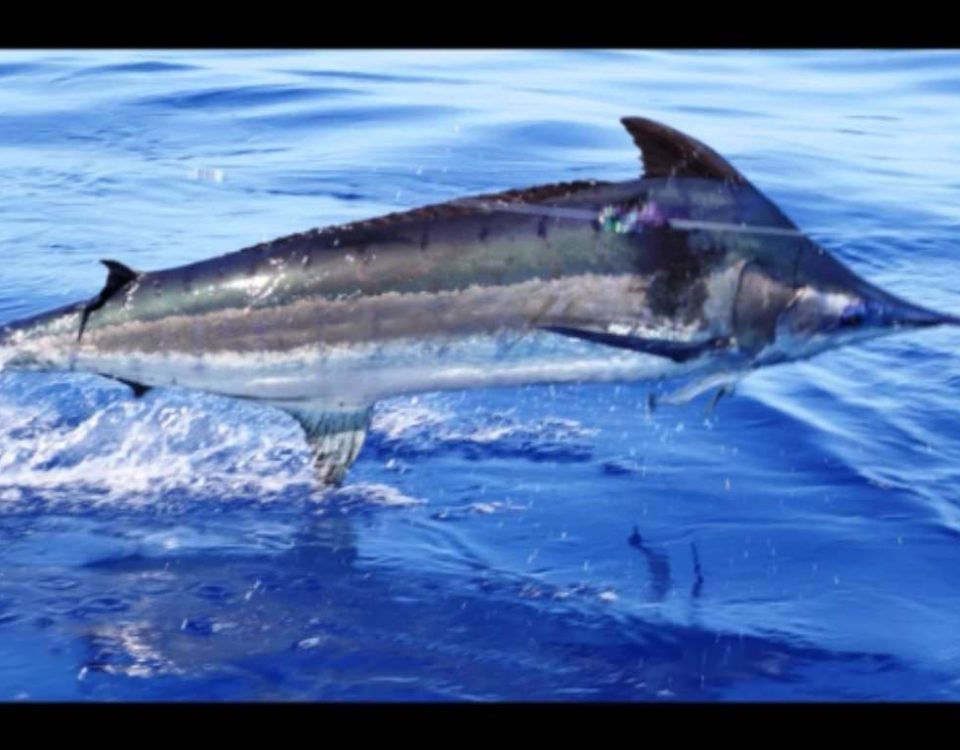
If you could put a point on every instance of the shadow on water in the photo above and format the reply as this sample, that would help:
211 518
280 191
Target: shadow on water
298 610
658 565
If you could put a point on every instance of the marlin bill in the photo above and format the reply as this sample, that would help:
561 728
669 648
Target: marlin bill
687 270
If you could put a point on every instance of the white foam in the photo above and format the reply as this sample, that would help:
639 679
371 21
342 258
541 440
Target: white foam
135 452
377 494
396 420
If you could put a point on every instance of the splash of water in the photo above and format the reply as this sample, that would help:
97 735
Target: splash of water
80 441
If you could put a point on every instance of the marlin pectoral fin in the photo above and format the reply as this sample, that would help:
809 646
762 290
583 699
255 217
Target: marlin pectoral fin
678 351
118 277
334 437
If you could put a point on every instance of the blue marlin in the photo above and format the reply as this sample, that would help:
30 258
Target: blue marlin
688 270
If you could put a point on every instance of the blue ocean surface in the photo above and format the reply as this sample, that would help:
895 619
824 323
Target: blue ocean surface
801 542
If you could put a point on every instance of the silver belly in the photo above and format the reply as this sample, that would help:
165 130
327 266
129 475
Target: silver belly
356 375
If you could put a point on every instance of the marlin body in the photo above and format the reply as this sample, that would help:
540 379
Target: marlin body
688 270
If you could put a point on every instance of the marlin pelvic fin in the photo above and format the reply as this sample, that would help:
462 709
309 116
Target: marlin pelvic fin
118 277
728 389
335 437
669 153
678 351
725 382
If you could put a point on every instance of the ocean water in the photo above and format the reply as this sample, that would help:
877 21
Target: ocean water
801 542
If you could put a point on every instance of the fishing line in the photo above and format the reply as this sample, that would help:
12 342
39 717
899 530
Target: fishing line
628 222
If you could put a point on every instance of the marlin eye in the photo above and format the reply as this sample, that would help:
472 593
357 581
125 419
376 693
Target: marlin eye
852 316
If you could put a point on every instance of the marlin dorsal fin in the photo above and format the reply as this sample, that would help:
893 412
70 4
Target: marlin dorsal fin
669 153
118 277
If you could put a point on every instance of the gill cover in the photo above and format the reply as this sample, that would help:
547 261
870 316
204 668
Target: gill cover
760 300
